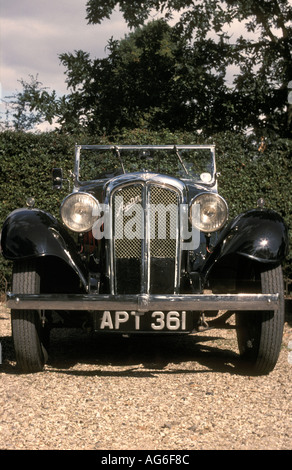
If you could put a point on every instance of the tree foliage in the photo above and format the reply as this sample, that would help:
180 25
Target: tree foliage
152 78
160 76
264 62
34 105
31 106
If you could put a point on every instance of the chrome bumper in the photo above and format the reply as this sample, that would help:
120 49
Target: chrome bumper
143 302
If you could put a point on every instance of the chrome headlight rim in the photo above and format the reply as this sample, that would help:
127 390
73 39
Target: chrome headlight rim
95 206
219 224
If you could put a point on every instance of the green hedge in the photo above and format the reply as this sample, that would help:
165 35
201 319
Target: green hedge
26 162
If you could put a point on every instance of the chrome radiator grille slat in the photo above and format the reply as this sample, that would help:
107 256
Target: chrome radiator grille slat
138 261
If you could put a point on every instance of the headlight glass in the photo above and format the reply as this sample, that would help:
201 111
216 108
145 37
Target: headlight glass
79 211
213 212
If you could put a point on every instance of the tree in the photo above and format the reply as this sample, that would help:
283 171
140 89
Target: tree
32 106
152 78
265 63
175 77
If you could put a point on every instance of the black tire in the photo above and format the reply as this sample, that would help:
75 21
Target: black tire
259 334
29 337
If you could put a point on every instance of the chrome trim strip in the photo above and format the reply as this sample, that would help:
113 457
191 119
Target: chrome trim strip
146 147
146 244
143 302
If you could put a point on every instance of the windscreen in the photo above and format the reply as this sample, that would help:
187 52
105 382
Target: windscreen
184 163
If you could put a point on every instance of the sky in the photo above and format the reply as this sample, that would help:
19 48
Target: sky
34 32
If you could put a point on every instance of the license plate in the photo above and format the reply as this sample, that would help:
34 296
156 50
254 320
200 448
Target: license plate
142 321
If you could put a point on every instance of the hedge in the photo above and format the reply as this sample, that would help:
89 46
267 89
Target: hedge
26 162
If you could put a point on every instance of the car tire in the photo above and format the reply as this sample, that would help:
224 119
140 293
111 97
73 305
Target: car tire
29 337
259 334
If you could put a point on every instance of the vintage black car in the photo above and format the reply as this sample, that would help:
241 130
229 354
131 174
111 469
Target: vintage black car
144 246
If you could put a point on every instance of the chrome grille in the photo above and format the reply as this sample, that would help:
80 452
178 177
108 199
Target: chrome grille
145 243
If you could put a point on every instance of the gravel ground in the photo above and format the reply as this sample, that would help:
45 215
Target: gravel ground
144 394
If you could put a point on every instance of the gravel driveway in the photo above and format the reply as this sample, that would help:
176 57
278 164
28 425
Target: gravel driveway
154 394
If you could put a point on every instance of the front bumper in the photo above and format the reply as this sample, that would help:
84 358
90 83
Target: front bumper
143 302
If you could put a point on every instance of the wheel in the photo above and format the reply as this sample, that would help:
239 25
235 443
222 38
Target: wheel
259 334
29 337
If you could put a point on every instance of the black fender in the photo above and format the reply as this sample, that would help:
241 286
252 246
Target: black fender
258 234
33 233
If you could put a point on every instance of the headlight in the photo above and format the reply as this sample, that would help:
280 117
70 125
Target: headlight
79 211
213 212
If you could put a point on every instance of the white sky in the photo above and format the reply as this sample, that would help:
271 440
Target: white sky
34 32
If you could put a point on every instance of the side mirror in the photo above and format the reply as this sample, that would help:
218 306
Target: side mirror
57 178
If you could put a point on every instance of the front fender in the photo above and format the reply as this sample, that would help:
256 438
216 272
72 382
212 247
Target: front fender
32 233
258 234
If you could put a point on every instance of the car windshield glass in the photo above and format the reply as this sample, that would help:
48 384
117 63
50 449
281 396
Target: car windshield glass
195 163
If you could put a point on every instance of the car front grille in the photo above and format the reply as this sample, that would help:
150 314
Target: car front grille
145 242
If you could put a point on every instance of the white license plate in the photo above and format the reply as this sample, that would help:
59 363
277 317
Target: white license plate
121 320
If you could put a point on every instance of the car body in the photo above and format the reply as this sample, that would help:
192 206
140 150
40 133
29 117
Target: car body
144 245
